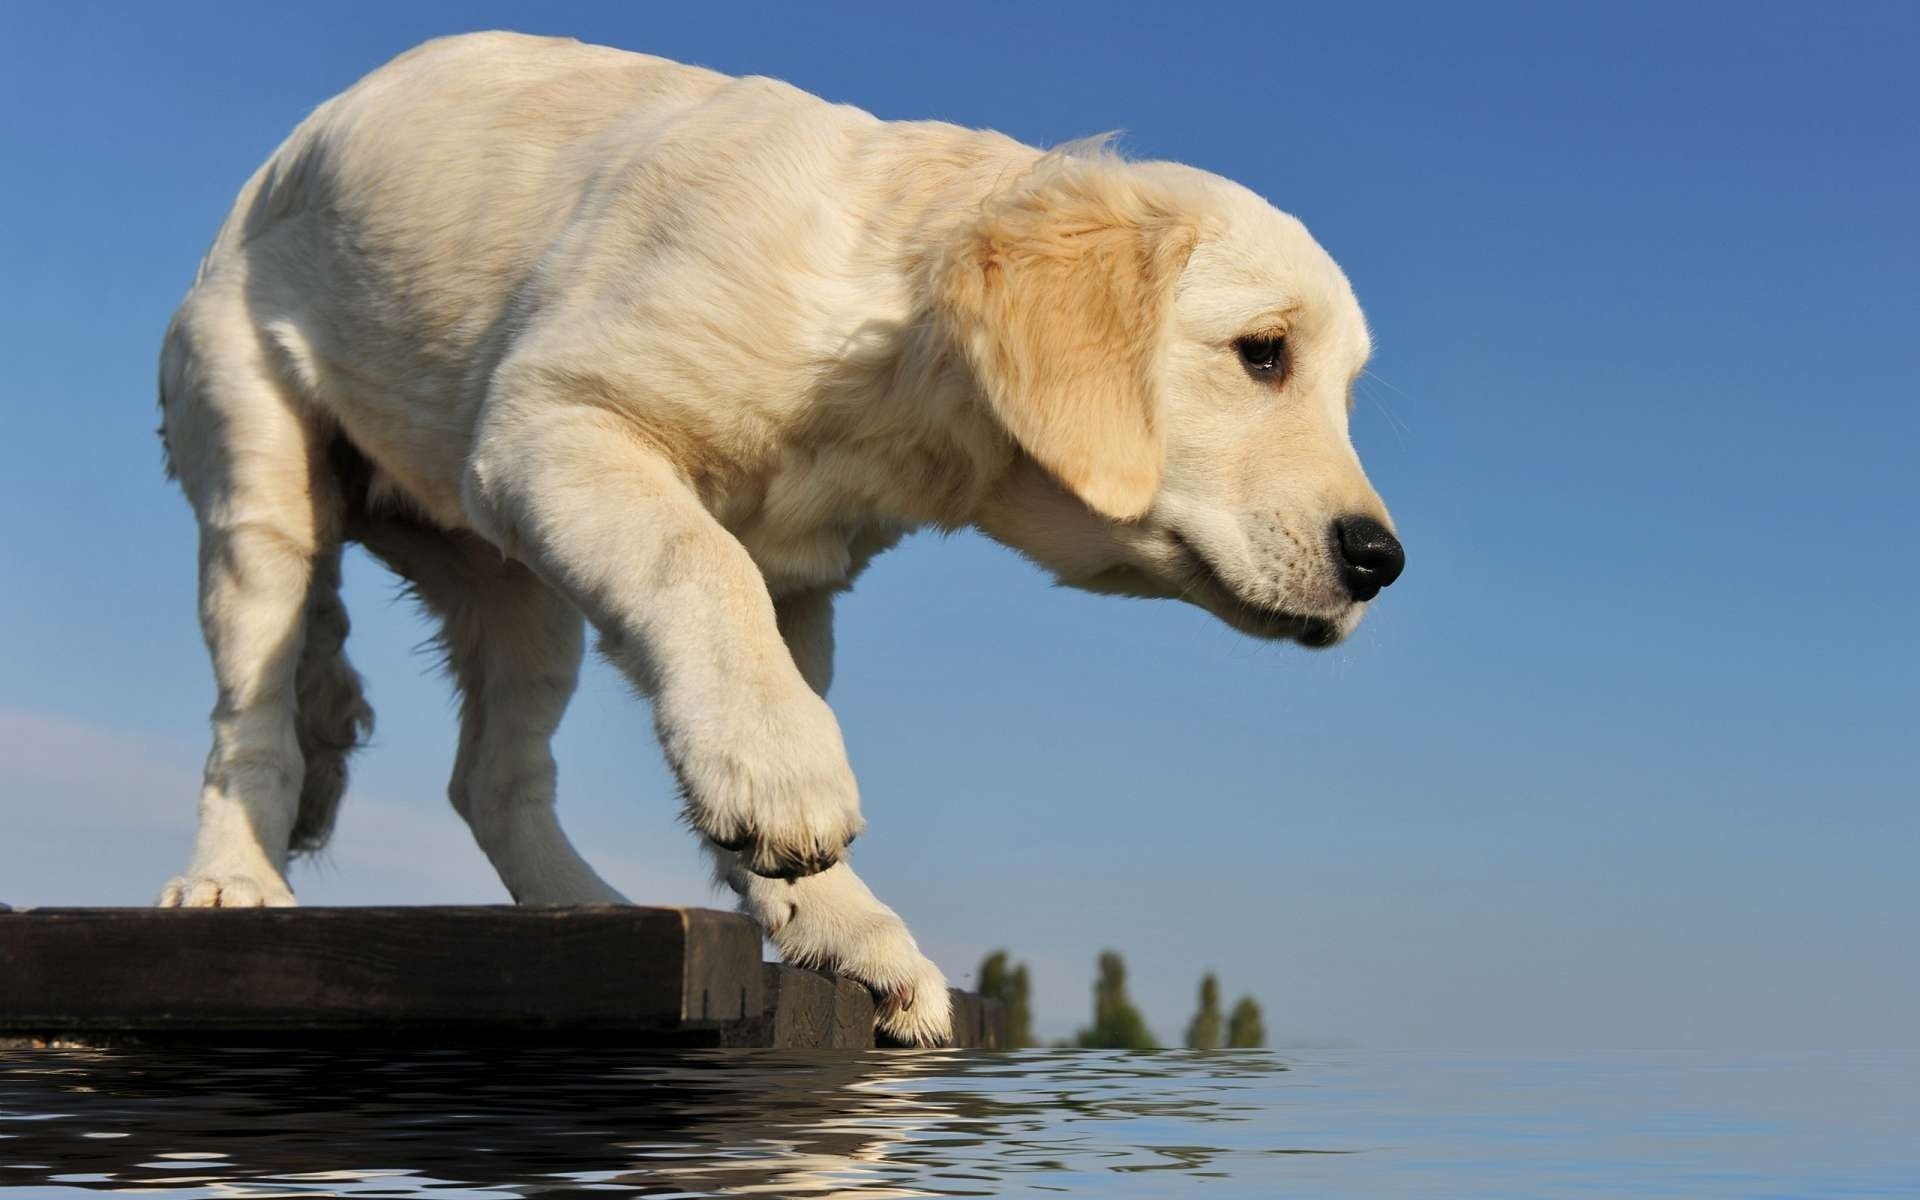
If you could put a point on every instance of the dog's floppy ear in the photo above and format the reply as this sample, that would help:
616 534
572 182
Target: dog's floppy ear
1058 298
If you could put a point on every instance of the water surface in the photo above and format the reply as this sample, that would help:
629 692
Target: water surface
1076 1123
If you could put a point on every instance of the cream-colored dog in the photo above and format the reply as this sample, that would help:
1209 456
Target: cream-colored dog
555 330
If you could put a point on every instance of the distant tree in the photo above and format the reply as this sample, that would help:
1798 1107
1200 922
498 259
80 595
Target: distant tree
1117 1024
1204 1032
1009 985
1245 1028
1020 1016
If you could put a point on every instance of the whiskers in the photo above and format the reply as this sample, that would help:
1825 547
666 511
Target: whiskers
1402 431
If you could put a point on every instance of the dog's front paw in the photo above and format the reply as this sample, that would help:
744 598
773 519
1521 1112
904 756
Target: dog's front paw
832 922
771 784
225 891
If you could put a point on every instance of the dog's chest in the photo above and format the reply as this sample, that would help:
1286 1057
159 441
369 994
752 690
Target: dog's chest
800 560
816 510
811 529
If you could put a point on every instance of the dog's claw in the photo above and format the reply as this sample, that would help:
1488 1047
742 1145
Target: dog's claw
772 859
775 865
907 1017
787 867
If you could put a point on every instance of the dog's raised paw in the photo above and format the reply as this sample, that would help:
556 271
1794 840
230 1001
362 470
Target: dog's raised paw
224 891
793 838
776 858
769 782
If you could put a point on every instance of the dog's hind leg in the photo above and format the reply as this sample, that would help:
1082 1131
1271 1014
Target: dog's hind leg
513 648
832 921
332 717
253 466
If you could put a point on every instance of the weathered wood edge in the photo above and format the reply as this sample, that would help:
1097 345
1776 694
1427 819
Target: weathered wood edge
667 977
445 968
808 1010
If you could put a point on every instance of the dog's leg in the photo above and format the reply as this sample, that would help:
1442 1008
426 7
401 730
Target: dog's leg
517 661
267 510
513 648
832 921
684 612
332 714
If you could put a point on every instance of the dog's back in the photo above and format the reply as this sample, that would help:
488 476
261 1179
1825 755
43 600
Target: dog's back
381 250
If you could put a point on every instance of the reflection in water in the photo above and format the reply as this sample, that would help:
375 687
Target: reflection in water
379 1122
730 1123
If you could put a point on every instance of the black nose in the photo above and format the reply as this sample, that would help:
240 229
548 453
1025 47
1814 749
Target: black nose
1370 556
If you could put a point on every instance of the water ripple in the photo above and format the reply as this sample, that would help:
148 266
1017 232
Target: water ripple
380 1123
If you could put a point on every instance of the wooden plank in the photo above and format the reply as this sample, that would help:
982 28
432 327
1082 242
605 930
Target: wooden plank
635 976
807 1010
503 970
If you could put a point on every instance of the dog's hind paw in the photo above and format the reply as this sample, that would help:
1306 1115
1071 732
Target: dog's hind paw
832 922
224 891
919 1013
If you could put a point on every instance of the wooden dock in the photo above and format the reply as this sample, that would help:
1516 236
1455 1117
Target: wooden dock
668 977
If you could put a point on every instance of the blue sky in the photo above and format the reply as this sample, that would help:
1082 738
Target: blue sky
1626 759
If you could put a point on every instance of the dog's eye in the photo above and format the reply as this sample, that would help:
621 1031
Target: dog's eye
1265 355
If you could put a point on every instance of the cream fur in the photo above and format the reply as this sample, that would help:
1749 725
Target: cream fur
558 330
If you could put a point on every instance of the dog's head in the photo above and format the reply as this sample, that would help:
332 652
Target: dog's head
1175 358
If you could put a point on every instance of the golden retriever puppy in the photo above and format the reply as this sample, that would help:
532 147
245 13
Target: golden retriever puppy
558 331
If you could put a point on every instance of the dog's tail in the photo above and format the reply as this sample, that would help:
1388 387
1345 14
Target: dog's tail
333 716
